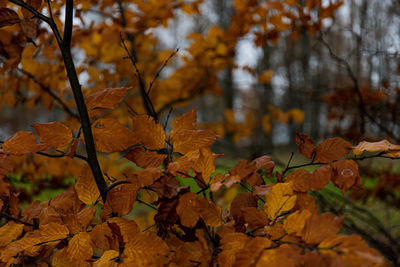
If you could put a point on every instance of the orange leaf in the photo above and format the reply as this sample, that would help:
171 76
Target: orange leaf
80 247
144 158
8 17
149 132
305 144
192 140
86 216
279 199
186 210
319 227
186 122
205 164
145 177
21 143
108 98
60 258
105 131
53 134
332 149
383 146
86 187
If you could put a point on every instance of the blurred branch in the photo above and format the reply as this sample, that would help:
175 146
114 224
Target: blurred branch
50 92
361 104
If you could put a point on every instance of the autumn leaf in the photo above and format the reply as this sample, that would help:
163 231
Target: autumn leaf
107 259
332 149
108 98
148 132
187 211
53 134
192 140
209 212
279 199
186 122
144 158
265 162
266 76
346 175
9 232
53 232
86 187
8 17
295 222
22 143
381 146
128 228
104 132
305 144
121 198
319 227
61 259
80 247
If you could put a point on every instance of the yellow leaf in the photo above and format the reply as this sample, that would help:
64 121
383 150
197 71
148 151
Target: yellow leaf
279 199
80 247
297 115
86 187
105 131
149 132
53 134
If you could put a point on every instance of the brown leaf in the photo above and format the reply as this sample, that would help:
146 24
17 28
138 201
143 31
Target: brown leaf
244 200
305 144
8 17
254 217
149 132
381 146
145 177
265 162
53 134
345 174
86 216
22 143
319 227
9 232
144 158
53 231
105 131
36 4
295 222
187 211
30 28
167 215
128 228
332 149
209 212
121 198
109 258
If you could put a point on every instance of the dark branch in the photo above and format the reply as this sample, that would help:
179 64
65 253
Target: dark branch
8 216
69 11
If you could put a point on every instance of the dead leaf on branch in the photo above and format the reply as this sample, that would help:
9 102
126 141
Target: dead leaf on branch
332 149
22 143
305 144
8 17
53 134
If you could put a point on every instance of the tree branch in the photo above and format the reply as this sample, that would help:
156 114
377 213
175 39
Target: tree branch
69 11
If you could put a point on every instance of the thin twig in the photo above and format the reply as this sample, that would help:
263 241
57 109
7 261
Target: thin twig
8 216
160 70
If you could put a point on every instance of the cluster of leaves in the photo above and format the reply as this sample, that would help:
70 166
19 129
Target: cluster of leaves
270 224
275 222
